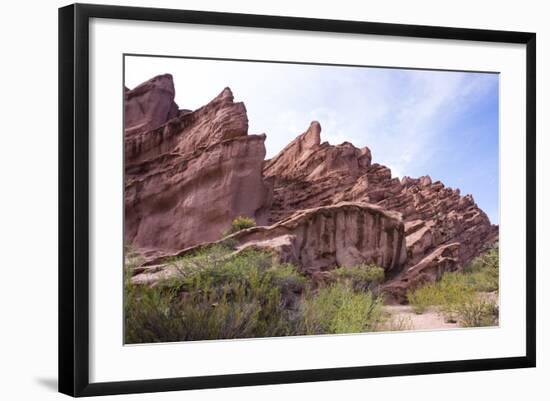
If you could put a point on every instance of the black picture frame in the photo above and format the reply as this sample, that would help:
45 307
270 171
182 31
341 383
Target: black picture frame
74 198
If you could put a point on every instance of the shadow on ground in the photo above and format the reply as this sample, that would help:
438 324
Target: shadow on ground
48 382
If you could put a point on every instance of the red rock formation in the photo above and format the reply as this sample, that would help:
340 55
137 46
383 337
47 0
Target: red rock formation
186 180
443 259
188 174
149 105
309 173
346 234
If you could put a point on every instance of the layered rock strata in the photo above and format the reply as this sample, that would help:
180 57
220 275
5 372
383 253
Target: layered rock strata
186 180
309 172
346 234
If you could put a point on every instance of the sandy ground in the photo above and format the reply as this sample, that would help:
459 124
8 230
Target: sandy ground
403 318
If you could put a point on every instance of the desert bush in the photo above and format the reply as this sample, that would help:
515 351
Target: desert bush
360 278
339 309
241 223
489 259
238 224
216 294
424 297
396 323
483 271
446 295
478 313
456 292
148 314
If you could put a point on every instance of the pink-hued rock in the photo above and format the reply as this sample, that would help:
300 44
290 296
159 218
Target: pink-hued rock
428 270
319 239
188 179
345 234
308 173
188 174
149 105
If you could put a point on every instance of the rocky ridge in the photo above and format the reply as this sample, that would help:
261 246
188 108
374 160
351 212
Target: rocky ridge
187 178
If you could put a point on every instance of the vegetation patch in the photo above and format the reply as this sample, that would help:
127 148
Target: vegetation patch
221 294
339 309
241 223
361 278
459 296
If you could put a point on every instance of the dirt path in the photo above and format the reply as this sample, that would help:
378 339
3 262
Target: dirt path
403 318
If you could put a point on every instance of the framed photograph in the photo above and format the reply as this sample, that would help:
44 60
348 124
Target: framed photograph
251 199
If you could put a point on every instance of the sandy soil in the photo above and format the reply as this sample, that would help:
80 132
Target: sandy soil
403 318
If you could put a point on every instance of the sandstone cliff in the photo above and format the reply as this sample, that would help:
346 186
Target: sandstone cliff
188 178
149 105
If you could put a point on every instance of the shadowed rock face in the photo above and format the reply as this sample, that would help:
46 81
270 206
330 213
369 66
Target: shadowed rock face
189 178
189 174
345 234
443 259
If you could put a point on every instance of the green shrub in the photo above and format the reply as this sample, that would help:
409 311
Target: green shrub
241 223
447 295
456 293
478 313
217 294
396 323
424 297
339 309
483 272
148 314
361 277
488 260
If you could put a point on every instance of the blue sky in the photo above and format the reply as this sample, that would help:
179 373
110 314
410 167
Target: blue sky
438 123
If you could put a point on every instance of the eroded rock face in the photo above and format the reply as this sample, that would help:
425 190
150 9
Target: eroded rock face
187 179
443 259
309 173
149 105
319 239
345 234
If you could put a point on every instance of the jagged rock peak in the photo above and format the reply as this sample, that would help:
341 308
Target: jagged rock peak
297 151
423 181
187 179
225 95
306 156
312 137
149 105
163 82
